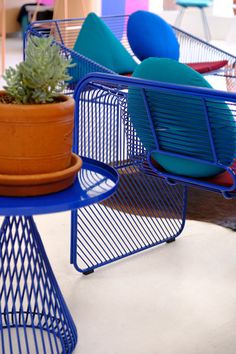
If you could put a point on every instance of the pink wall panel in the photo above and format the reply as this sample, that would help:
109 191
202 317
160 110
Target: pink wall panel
134 5
47 2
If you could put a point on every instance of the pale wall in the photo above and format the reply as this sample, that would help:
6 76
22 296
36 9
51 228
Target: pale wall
12 10
221 27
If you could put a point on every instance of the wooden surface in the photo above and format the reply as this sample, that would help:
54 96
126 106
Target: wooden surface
3 30
12 8
73 8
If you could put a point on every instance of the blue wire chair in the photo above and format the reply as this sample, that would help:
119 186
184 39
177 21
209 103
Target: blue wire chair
201 5
149 207
192 49
146 211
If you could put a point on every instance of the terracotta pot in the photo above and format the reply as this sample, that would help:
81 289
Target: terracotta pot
39 184
36 138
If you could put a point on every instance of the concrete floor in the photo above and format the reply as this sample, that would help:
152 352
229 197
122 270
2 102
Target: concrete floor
175 299
178 298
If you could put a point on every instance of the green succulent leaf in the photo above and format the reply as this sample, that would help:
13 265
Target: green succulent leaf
43 74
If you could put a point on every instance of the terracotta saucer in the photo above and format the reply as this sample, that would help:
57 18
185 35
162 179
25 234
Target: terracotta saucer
39 184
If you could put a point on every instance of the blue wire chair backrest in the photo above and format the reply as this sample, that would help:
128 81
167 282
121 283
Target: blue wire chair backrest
143 136
176 115
65 33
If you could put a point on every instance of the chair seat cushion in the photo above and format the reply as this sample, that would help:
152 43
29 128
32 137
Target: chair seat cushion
179 121
224 178
150 36
208 66
97 42
203 67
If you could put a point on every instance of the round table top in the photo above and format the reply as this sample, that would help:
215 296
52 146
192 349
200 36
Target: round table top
96 181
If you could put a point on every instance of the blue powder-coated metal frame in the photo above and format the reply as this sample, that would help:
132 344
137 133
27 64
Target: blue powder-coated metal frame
34 317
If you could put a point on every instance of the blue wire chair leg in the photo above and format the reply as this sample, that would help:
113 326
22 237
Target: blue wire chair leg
34 317
143 213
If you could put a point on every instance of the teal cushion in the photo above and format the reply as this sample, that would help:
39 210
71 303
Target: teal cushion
97 42
179 121
194 3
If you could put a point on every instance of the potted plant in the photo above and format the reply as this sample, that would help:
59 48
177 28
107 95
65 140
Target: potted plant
36 124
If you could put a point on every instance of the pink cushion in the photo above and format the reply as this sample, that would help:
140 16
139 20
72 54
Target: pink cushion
203 67
47 2
224 178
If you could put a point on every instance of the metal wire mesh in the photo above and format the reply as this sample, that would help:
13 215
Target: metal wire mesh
34 317
128 222
145 211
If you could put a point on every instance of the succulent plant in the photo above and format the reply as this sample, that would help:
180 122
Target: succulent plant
41 77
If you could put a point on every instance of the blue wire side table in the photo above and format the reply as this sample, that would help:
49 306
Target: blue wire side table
34 316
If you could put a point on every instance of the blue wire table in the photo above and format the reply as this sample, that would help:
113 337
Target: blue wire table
34 316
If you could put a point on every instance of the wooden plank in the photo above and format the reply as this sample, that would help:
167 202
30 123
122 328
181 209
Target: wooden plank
73 8
3 15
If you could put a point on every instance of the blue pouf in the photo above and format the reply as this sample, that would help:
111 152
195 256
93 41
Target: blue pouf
151 36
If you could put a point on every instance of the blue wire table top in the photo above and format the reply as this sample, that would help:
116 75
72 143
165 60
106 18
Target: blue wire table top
96 181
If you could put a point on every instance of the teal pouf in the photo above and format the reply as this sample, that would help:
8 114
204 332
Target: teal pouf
179 120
